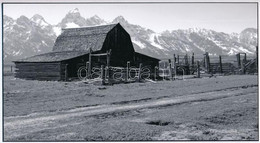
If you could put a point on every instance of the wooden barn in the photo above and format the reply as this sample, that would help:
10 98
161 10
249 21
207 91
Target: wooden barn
72 49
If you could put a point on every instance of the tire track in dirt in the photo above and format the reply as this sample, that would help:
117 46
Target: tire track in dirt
157 98
23 125
151 99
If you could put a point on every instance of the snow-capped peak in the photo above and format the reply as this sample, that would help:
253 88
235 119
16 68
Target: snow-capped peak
8 20
198 30
36 17
144 40
95 20
119 19
234 34
39 20
72 25
96 17
76 10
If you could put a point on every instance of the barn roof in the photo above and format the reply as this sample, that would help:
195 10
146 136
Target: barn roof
81 39
74 42
54 56
147 56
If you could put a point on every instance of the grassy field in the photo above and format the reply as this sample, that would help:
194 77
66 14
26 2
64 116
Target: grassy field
216 108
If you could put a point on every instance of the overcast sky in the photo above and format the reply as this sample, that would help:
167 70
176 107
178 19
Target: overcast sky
222 17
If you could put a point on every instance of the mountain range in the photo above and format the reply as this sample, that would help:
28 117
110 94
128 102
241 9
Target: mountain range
25 37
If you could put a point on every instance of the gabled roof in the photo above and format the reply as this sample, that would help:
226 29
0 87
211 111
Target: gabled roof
74 42
137 53
54 56
81 39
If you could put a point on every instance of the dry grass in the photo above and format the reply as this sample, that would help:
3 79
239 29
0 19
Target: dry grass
231 118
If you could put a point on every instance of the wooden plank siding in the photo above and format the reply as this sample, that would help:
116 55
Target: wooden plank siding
39 71
119 41
145 60
74 64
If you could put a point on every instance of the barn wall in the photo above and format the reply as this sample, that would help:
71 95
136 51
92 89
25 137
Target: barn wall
74 64
145 60
122 49
38 71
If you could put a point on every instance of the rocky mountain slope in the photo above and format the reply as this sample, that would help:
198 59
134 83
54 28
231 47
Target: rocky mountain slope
25 37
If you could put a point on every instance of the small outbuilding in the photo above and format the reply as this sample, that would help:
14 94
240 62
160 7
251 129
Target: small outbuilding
72 49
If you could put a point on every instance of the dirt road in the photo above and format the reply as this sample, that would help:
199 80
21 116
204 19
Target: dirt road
227 113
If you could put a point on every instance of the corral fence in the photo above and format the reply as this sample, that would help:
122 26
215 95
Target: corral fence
224 64
207 65
180 66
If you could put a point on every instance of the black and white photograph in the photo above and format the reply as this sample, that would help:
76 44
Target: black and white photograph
80 71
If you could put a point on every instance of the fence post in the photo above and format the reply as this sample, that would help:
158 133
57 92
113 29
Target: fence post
220 64
243 67
207 62
87 66
155 69
108 64
102 75
178 59
238 61
106 69
245 61
198 69
204 61
192 59
170 65
164 67
127 71
89 60
174 58
192 63
256 59
66 72
186 60
187 71
174 65
139 73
